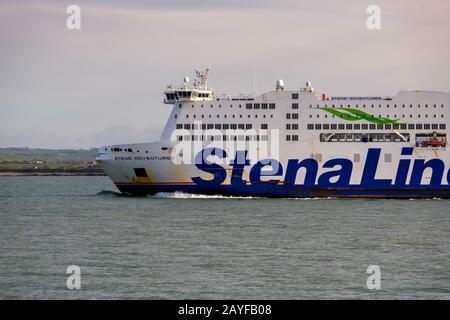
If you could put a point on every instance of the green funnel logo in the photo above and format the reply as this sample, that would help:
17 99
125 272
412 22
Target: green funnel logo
350 114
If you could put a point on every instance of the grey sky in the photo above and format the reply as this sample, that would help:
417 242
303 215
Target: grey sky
103 84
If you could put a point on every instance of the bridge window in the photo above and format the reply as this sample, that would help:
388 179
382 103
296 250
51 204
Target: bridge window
184 94
170 96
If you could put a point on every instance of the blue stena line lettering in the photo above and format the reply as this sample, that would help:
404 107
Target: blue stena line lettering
338 178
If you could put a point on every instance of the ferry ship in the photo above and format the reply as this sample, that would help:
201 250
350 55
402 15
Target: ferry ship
290 143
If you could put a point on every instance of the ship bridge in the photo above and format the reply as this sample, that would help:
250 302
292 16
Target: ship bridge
199 90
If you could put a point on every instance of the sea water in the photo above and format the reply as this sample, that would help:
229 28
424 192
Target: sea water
180 246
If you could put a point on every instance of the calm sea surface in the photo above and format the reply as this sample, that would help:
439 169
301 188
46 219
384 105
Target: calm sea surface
176 246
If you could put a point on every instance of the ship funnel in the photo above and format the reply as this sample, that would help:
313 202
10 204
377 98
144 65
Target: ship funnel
280 85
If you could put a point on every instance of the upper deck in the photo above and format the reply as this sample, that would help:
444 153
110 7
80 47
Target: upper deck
301 113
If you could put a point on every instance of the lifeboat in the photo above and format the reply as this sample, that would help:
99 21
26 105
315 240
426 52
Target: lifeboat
433 143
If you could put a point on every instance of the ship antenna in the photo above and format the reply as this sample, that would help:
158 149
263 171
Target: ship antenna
203 76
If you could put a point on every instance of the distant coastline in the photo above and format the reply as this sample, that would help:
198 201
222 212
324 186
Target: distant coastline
17 173
48 162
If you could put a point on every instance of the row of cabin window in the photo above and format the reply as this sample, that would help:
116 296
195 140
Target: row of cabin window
364 137
120 149
223 138
257 106
348 116
125 150
372 106
356 157
211 105
295 106
219 126
364 126
225 116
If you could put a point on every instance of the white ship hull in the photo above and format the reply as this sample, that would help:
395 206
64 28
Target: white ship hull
165 176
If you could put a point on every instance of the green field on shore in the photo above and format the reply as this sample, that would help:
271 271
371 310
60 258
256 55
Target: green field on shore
41 160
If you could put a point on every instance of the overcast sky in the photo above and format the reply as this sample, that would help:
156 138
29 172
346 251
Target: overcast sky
103 84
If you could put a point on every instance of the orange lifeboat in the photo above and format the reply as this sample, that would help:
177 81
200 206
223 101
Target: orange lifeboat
433 143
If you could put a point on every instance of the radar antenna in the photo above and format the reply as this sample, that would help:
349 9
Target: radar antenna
203 77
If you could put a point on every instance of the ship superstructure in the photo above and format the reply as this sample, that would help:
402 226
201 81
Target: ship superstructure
291 143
